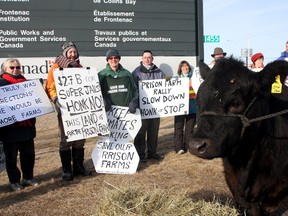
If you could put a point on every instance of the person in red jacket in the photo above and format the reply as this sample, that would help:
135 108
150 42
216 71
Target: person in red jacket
18 137
69 58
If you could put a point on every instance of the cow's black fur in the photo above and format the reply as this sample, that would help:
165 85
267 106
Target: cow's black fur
255 162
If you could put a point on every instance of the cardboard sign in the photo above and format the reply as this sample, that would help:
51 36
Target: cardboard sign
21 101
196 79
123 125
161 98
115 157
82 106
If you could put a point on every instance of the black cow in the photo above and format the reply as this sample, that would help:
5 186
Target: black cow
241 121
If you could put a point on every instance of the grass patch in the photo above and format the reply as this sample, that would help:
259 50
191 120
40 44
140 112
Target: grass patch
131 201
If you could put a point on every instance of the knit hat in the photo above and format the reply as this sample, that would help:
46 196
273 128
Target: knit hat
68 45
256 56
112 52
218 51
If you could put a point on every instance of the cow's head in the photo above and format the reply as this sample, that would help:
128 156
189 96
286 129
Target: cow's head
223 98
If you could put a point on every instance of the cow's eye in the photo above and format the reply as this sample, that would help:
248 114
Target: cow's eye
236 103
236 106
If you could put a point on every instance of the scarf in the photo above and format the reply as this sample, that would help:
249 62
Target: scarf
64 62
13 78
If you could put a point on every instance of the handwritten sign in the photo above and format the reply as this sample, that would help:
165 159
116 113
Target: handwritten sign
2 158
21 101
123 125
115 157
161 98
81 101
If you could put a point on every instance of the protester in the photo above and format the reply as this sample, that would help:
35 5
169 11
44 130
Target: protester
150 127
18 137
68 59
216 55
257 62
284 55
184 124
117 84
196 77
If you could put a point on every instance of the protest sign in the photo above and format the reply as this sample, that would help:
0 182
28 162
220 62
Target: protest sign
82 106
2 158
115 157
162 98
21 101
123 125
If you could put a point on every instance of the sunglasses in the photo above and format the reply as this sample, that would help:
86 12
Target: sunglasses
13 67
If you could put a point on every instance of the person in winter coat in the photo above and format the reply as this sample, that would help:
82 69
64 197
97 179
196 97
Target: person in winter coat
257 62
150 127
18 137
284 55
117 85
184 124
74 150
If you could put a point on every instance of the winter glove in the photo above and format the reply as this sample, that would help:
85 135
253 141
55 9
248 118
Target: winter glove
57 105
56 102
133 105
107 104
167 78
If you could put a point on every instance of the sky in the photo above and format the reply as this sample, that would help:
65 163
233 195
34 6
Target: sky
261 25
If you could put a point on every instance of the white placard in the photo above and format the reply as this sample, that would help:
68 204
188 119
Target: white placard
115 157
82 105
161 98
123 125
21 101
196 79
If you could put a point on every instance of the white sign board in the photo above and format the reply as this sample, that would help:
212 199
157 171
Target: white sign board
123 125
21 101
2 158
82 106
196 79
161 98
115 157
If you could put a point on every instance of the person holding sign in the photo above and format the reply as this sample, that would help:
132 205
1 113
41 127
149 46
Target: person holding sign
184 124
18 137
69 58
147 71
117 85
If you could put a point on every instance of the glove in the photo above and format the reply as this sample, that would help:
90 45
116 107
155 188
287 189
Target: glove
167 78
107 104
133 105
56 102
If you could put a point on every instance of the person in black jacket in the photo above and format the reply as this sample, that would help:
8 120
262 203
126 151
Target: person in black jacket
150 127
18 137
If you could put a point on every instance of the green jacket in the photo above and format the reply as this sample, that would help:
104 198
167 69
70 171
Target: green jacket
118 87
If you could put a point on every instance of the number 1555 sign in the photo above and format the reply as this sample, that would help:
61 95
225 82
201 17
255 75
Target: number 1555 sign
211 38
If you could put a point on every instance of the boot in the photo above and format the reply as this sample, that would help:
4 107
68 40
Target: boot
78 159
66 165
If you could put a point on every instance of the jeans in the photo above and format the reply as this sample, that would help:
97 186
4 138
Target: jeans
149 128
27 159
183 131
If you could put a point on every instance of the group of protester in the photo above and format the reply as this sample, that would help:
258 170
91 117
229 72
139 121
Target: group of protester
19 137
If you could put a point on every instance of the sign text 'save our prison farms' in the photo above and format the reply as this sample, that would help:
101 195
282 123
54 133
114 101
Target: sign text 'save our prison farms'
34 31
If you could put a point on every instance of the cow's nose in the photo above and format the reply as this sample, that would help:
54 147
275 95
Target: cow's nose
201 147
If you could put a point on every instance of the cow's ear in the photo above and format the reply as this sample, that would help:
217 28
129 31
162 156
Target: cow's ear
204 69
268 74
